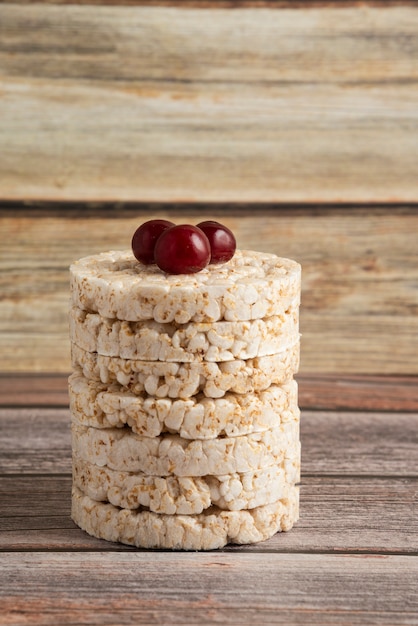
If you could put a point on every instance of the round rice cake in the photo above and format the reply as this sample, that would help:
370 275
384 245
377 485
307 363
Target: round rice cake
187 495
123 450
252 285
210 530
182 380
195 341
99 405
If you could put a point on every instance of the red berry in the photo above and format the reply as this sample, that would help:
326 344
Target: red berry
221 239
182 249
145 238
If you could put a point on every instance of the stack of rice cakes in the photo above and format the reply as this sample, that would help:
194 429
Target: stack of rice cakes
185 422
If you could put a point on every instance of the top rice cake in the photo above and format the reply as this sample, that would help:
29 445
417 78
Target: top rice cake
252 285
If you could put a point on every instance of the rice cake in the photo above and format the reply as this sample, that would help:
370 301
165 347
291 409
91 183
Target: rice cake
182 380
210 530
123 450
99 405
152 341
252 285
187 495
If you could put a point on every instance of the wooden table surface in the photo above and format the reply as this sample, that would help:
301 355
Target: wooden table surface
351 559
294 123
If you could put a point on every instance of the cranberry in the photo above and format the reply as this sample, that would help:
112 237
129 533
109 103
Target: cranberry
222 241
145 238
182 249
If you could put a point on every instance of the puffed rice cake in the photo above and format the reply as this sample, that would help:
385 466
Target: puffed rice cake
99 405
252 285
185 423
182 380
210 530
187 495
123 450
185 343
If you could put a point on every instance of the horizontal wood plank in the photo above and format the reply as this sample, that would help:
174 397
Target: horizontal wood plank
360 271
358 392
253 103
343 443
140 588
370 393
362 443
33 390
351 559
226 4
336 515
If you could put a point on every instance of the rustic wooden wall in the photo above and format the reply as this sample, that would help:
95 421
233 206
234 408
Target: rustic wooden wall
295 123
261 103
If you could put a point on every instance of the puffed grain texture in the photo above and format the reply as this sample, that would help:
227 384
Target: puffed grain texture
186 495
99 405
123 450
185 343
207 531
182 380
252 285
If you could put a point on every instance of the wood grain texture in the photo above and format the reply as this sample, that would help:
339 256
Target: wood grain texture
358 392
226 4
333 443
208 588
359 295
35 390
336 515
370 393
165 103
352 558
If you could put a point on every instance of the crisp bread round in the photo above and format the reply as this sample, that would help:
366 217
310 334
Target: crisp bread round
123 450
149 340
99 405
210 530
182 380
186 495
252 285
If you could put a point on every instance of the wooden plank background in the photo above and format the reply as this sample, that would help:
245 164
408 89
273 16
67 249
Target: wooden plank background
359 298
358 488
178 103
295 123
108 588
360 273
